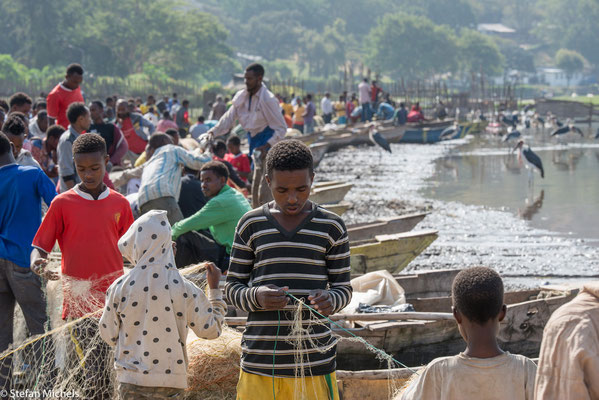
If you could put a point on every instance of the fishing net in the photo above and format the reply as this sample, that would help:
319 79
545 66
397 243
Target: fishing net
72 360
299 337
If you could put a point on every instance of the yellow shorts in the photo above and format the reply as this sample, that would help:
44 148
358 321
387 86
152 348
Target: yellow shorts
258 387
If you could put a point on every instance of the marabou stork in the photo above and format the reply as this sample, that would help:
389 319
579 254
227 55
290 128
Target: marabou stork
566 129
377 139
514 134
597 134
533 161
449 132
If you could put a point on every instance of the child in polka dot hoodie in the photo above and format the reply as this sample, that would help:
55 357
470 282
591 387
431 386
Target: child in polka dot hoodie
148 312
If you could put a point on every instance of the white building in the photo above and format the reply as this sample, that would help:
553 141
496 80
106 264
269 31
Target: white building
557 77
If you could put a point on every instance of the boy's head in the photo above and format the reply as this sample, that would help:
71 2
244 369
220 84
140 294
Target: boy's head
79 116
157 140
201 119
53 134
6 152
174 134
74 76
148 241
89 154
289 174
14 127
477 295
214 175
234 144
20 102
219 149
96 110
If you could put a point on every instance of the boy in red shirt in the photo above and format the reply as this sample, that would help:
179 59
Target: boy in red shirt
239 160
63 94
87 221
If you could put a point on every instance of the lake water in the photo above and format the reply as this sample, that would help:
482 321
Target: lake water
478 199
483 172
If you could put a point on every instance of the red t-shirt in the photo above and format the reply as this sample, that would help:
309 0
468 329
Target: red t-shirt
59 100
136 144
87 231
241 163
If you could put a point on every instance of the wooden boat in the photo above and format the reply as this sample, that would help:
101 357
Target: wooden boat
318 151
431 135
330 194
338 208
384 226
390 252
373 384
418 340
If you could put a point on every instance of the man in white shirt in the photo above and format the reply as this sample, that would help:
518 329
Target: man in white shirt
364 99
259 113
39 125
327 108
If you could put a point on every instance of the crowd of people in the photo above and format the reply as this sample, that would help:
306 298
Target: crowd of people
168 206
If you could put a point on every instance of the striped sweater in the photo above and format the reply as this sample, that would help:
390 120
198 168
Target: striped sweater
313 256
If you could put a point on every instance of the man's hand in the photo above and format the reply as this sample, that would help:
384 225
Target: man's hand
321 301
263 150
213 275
271 297
38 267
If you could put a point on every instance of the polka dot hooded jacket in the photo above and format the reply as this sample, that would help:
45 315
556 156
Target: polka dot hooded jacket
148 311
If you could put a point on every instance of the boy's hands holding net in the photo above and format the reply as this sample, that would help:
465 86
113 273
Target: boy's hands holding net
321 301
38 267
272 297
213 275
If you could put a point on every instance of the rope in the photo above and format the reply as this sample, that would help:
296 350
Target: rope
274 354
360 339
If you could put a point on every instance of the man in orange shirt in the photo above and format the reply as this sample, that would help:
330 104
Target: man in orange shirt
63 94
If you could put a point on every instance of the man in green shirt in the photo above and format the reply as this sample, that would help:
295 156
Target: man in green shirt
208 234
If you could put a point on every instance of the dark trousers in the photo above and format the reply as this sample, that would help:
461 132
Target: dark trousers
20 285
327 118
196 247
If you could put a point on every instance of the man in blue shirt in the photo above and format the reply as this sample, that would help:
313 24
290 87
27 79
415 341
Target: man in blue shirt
401 115
21 192
385 111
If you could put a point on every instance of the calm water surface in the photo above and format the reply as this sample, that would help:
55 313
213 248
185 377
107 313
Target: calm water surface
484 172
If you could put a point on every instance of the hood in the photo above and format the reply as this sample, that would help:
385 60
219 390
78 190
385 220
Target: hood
592 288
148 241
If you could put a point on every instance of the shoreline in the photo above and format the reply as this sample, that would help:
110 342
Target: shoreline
389 184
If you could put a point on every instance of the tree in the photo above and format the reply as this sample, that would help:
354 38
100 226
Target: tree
515 56
324 52
570 61
571 24
479 53
412 46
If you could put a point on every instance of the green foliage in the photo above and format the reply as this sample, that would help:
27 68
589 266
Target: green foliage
411 46
571 24
570 61
479 53
116 37
515 56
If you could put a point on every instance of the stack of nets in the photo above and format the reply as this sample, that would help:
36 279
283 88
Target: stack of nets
71 359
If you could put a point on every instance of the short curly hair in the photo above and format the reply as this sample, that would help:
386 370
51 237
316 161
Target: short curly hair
289 155
478 294
89 143
19 99
217 167
76 110
14 124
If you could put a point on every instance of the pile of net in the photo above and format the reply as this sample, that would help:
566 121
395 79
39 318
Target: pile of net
71 359
213 366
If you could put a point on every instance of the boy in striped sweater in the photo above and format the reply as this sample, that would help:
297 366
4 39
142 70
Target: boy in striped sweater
288 245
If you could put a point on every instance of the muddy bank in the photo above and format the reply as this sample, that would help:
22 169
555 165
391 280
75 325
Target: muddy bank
390 184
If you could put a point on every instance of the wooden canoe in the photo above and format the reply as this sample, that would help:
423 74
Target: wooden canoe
417 342
338 208
425 135
384 226
318 151
390 252
330 194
